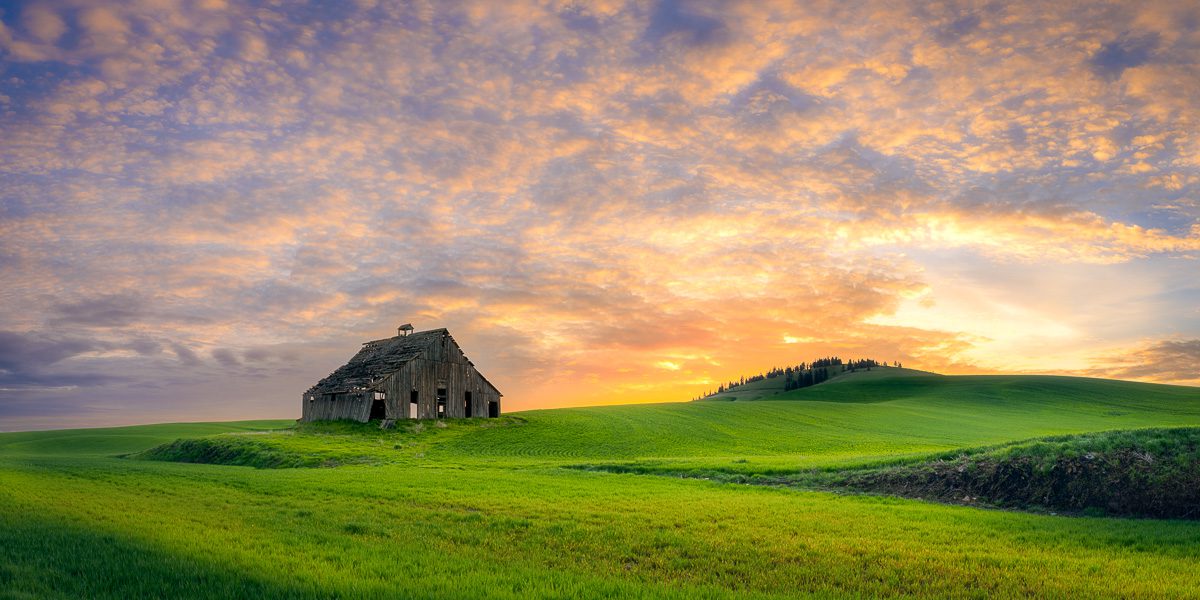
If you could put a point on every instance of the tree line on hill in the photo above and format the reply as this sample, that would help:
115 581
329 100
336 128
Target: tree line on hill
804 374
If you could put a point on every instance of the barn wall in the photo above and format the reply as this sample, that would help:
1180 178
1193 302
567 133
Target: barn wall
426 376
398 387
481 390
390 387
447 350
355 406
487 394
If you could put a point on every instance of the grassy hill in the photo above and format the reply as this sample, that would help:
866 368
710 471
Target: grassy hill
857 421
879 372
111 441
754 390
771 388
484 508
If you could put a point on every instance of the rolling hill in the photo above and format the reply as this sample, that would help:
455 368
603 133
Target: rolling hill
772 387
485 508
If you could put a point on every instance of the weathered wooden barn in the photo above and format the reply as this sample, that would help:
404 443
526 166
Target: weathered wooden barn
422 375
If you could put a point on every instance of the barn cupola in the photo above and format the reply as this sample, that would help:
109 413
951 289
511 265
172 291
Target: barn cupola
404 329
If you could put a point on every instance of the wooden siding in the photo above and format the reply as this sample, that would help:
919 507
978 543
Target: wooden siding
356 406
426 377
443 366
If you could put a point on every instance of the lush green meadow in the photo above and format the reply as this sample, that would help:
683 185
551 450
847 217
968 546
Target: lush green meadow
485 508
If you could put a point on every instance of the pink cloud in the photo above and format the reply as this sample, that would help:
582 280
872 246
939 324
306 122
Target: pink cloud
588 192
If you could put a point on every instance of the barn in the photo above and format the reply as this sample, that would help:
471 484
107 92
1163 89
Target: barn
421 375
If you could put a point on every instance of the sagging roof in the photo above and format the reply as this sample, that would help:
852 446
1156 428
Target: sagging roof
378 359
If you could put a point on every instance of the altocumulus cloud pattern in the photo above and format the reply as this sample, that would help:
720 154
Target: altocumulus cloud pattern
204 204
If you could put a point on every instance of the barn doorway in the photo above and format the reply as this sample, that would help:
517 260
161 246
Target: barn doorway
378 406
441 403
493 409
413 404
467 404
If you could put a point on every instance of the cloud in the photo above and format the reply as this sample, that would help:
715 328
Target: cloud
103 311
22 352
104 29
253 47
1057 235
226 358
186 355
33 362
1165 361
43 24
586 192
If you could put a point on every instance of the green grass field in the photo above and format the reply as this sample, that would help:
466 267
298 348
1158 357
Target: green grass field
770 388
487 509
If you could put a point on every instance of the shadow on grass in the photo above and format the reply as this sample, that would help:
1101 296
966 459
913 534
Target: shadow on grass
45 558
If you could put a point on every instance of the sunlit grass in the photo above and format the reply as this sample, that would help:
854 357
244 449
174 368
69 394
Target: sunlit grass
484 508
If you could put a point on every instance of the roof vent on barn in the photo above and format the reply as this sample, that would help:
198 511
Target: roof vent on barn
405 329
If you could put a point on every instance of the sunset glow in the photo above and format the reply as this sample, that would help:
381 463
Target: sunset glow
208 206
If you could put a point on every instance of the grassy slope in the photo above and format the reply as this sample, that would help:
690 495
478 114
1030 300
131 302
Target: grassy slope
473 511
1149 472
109 441
838 422
772 388
754 390
1142 472
883 372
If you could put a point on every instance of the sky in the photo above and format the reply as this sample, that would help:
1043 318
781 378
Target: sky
206 206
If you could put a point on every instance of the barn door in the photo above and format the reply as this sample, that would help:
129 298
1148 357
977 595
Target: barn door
378 406
493 409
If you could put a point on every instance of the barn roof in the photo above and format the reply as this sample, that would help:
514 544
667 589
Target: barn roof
378 359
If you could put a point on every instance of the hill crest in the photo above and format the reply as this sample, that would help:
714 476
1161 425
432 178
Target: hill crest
774 384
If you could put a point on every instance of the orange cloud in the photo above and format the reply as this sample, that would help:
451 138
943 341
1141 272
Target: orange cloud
605 202
1163 361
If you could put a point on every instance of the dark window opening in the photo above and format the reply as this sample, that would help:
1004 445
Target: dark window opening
467 404
378 406
493 409
441 403
413 404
